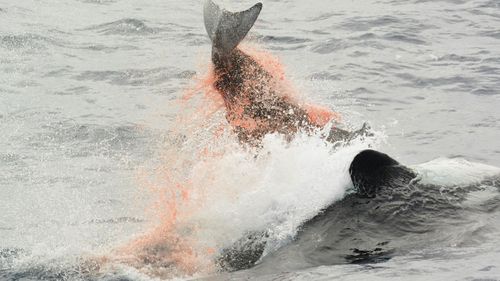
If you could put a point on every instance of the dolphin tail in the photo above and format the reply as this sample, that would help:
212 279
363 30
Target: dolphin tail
227 29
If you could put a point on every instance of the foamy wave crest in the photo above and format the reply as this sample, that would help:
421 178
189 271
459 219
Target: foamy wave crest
277 190
456 171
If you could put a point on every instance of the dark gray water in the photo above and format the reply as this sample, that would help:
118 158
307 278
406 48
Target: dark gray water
89 97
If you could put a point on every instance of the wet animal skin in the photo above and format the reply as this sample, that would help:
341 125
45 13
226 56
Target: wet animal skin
255 103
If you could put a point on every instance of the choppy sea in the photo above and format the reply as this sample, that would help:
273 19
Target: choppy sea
108 171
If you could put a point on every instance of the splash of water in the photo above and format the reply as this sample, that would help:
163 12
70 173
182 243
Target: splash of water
211 190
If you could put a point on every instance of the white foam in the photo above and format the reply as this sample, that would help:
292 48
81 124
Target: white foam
456 171
277 190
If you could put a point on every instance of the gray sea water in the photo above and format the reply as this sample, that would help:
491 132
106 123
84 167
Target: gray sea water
89 94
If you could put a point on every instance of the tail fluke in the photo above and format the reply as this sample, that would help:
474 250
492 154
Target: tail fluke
227 29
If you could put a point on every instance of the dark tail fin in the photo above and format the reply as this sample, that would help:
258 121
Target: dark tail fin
227 29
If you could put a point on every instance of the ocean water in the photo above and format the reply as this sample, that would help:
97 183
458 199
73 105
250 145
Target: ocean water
115 164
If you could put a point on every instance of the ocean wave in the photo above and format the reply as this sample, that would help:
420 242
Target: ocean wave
83 140
102 2
127 26
454 172
136 77
405 38
368 23
283 39
458 58
330 46
324 75
194 39
486 91
324 16
490 4
493 33
104 48
27 41
421 82
73 91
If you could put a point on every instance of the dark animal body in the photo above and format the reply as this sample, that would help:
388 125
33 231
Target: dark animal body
255 103
254 109
390 214
372 173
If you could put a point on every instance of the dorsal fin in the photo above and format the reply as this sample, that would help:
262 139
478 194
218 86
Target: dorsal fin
227 29
371 170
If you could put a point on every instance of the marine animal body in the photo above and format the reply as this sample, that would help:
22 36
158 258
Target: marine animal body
254 100
371 172
389 208
389 213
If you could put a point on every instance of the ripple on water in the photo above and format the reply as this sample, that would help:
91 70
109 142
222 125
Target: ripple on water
330 46
488 70
493 33
136 77
73 91
127 26
98 1
194 39
486 91
282 39
490 4
324 16
368 23
458 58
283 42
404 38
26 41
324 75
82 140
462 82
365 36
105 48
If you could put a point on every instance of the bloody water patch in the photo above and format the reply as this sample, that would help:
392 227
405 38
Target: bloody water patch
199 137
